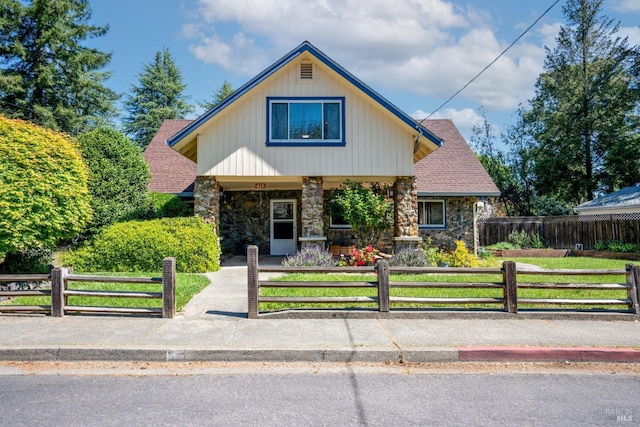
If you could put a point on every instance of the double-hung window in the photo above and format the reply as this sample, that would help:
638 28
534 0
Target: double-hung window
431 213
305 121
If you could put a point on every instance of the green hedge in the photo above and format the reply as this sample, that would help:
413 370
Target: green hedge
163 205
142 245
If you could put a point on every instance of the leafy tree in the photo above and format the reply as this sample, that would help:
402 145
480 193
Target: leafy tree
118 176
585 109
47 75
366 210
494 160
159 96
219 95
43 187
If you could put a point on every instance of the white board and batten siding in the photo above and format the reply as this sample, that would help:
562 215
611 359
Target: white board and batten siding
233 143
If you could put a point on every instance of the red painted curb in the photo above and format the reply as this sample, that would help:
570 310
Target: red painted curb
548 354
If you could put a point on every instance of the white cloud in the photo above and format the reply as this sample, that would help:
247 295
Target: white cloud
464 119
627 5
240 53
633 33
431 47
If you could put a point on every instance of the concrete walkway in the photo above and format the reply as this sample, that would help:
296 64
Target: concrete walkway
214 327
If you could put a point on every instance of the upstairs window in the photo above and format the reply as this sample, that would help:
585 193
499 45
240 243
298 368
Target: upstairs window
431 213
305 121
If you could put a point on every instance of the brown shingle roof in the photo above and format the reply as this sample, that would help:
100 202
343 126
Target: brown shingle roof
453 169
171 172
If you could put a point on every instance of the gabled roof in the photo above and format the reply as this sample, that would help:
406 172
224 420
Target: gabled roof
171 172
626 199
308 48
453 169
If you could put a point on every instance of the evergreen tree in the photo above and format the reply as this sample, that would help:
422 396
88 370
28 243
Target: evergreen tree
47 76
118 176
586 109
219 95
159 96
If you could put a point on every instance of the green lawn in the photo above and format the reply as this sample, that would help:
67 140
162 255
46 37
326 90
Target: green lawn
547 263
187 285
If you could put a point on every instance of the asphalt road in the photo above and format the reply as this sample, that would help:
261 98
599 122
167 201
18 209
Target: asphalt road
270 395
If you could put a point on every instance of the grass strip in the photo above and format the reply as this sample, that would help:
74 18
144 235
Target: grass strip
187 285
546 263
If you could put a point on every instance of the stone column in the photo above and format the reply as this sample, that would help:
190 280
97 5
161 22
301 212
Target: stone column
312 212
406 213
206 200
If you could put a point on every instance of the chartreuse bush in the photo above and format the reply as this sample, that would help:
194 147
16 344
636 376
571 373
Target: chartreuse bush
142 245
44 196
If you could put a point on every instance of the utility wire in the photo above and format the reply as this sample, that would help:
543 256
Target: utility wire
495 60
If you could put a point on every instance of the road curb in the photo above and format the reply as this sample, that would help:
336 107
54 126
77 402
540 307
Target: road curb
549 354
462 354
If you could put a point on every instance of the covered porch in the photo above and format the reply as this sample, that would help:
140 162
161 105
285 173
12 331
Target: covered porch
282 214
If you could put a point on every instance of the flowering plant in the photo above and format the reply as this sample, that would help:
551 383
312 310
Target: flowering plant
364 256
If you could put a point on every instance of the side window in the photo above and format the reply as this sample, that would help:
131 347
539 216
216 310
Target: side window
338 221
431 213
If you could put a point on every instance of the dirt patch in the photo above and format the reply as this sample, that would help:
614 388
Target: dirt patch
222 368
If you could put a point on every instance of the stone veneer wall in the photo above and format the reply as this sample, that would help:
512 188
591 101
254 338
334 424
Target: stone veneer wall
459 224
206 203
312 207
244 219
406 207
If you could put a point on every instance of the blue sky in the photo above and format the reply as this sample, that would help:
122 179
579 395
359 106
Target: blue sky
416 53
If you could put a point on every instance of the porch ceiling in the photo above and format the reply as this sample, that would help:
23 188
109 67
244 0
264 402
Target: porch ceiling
259 183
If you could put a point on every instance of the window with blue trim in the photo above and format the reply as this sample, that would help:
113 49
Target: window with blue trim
305 121
431 213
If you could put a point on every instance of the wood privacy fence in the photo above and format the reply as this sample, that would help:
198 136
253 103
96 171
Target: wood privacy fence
509 284
59 293
564 232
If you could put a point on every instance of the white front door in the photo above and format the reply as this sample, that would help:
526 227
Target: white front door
283 227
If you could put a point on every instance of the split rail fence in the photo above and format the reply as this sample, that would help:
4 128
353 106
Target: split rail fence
60 292
509 302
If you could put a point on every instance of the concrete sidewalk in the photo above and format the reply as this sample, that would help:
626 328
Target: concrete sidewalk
214 327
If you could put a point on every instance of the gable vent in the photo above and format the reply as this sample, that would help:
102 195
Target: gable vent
306 71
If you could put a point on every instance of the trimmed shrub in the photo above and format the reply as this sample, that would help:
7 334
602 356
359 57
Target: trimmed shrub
142 245
408 257
164 205
310 256
43 187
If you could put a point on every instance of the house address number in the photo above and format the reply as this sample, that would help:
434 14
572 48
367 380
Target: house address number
260 186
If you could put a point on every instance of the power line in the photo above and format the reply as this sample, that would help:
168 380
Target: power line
495 60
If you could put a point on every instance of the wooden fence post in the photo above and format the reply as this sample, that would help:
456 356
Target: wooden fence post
252 282
383 285
510 282
633 279
169 288
57 291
